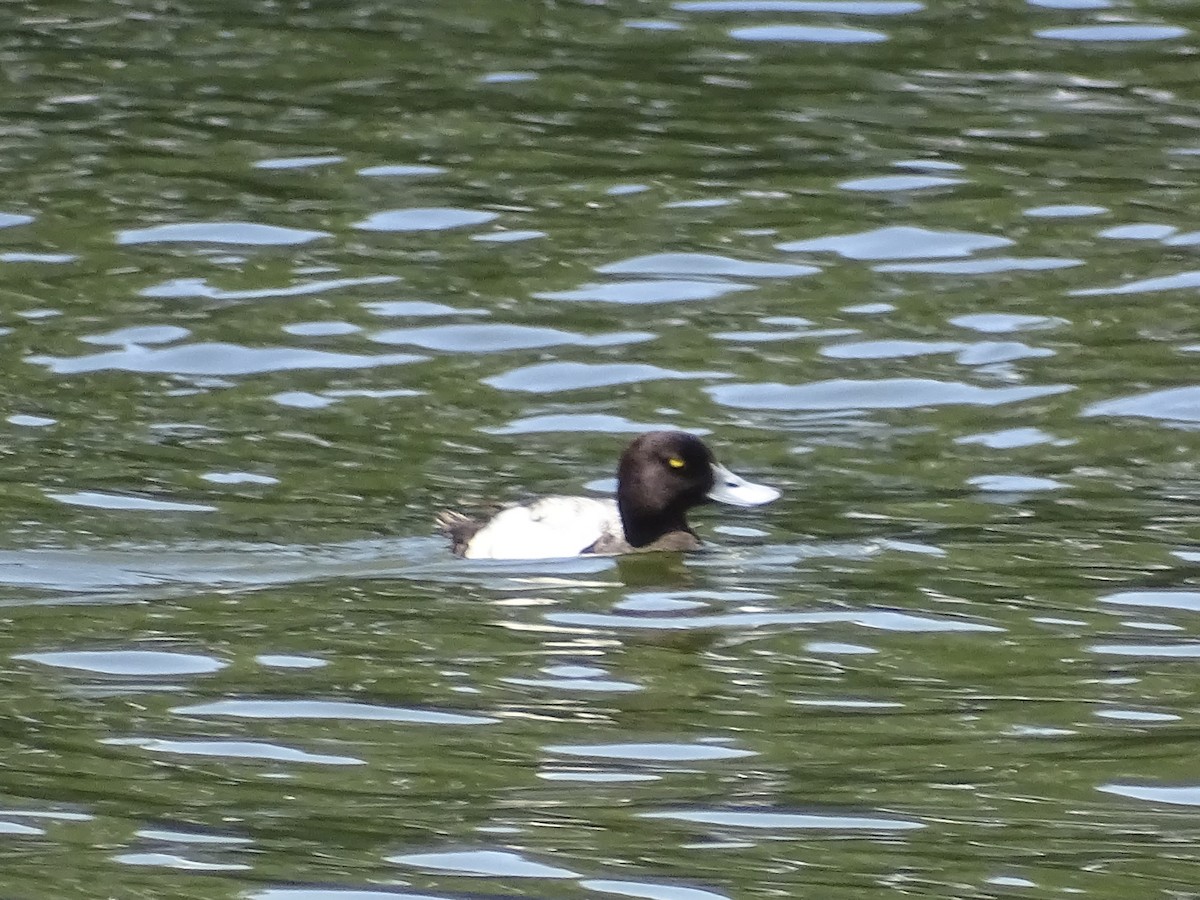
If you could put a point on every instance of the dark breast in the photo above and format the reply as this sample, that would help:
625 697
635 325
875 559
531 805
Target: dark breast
677 541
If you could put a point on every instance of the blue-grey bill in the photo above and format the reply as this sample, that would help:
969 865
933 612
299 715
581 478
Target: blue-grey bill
737 491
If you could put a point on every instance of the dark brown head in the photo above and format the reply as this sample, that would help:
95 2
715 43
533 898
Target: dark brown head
663 474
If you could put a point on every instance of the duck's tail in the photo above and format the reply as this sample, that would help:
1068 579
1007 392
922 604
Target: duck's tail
459 528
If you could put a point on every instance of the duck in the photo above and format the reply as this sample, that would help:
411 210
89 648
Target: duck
660 476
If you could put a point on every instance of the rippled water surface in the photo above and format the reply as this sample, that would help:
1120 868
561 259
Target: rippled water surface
281 281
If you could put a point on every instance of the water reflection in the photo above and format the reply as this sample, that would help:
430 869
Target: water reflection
285 283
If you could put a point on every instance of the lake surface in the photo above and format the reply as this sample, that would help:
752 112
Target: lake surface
281 281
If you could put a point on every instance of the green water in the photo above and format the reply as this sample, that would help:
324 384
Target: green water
281 281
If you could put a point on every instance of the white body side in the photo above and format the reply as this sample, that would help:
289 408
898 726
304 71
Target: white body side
545 529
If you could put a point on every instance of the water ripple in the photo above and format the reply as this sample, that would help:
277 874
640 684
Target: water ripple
15 829
692 264
899 242
1180 404
548 378
1164 599
881 619
494 863
843 7
814 34
298 162
1013 438
250 233
321 329
256 750
1143 231
216 359
8 220
401 170
649 890
1004 323
138 663
176 861
100 500
1149 651
1182 795
417 309
497 337
424 219
651 752
780 821
329 709
599 423
892 349
1008 484
1113 32
139 334
888 183
199 288
1065 211
984 266
1175 282
887 393
639 292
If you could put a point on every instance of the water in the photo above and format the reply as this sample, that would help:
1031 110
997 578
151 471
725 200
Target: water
281 282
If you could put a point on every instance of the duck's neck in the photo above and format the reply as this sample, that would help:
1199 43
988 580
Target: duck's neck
644 526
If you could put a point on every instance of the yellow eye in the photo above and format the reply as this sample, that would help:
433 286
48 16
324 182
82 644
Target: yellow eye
675 462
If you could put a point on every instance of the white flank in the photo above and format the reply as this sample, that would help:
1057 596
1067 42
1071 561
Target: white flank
548 528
